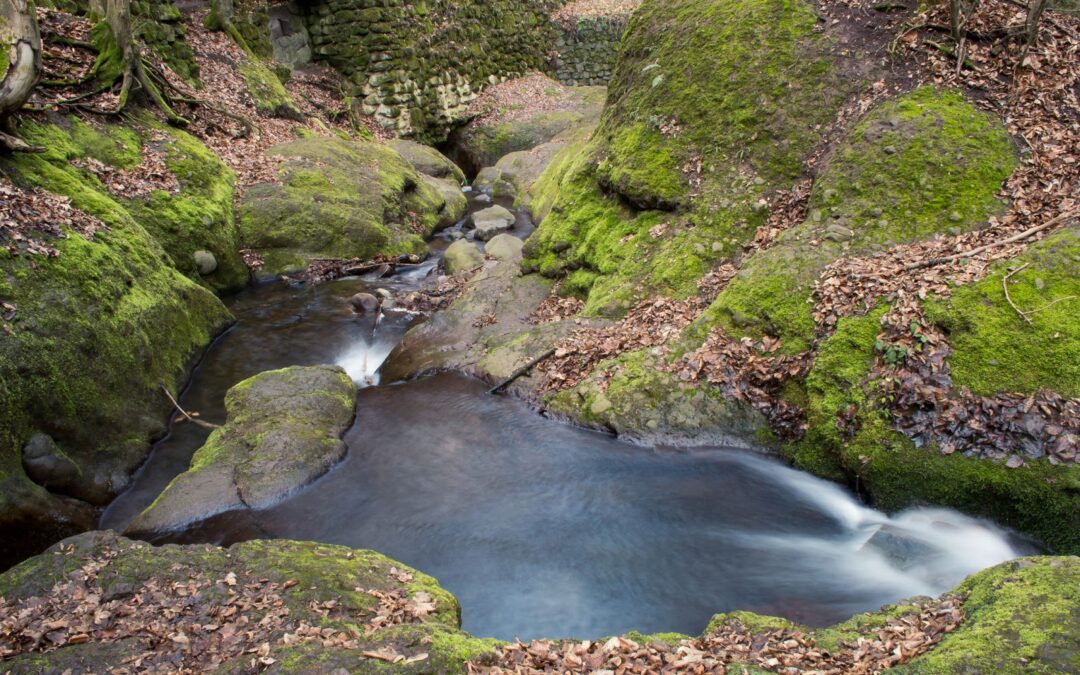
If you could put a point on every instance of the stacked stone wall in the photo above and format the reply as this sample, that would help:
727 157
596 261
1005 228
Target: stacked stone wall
588 48
417 64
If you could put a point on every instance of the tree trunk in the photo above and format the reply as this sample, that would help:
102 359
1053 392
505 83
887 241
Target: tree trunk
20 36
1034 17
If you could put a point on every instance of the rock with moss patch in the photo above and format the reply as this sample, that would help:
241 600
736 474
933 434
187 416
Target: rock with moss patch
492 221
323 587
339 199
100 328
455 203
504 247
267 91
284 431
428 161
205 262
462 256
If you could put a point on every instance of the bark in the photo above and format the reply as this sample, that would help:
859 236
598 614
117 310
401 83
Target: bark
1034 17
20 36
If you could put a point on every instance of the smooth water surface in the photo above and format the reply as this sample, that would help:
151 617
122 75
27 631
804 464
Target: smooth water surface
541 529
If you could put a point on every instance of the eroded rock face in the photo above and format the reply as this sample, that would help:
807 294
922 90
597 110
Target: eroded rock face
284 431
340 199
283 585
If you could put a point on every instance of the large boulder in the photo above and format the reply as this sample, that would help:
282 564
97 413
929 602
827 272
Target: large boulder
284 431
286 606
98 329
428 161
462 256
339 199
504 247
492 221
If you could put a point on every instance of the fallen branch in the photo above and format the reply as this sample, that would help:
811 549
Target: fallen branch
197 422
975 251
1005 286
521 371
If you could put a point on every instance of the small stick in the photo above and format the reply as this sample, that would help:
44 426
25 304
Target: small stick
1005 286
520 371
201 423
975 251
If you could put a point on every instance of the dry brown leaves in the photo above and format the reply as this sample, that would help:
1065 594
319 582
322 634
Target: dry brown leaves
519 99
190 625
929 410
556 308
1035 92
30 218
650 324
581 9
447 289
734 645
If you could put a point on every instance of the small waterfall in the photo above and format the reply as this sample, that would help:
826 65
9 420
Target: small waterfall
363 359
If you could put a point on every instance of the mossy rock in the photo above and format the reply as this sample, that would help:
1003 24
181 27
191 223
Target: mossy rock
914 167
100 328
429 161
339 199
284 430
1038 499
267 91
993 348
197 217
318 574
712 106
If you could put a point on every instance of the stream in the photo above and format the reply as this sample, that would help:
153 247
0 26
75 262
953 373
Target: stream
543 529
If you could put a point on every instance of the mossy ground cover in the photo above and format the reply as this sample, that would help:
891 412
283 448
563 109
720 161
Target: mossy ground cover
923 164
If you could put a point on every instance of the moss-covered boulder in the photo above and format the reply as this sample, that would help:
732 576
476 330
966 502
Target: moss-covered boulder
339 199
308 607
428 161
712 106
266 90
526 124
923 164
284 431
99 329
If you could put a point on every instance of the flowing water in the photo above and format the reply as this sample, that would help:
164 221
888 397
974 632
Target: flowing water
543 529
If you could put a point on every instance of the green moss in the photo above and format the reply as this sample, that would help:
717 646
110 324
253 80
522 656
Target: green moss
719 82
266 90
1021 617
994 349
1039 499
117 146
100 328
920 165
339 199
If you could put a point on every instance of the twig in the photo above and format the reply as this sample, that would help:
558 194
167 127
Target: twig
1005 286
521 371
198 422
975 251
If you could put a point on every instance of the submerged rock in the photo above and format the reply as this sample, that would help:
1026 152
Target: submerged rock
284 431
491 221
462 256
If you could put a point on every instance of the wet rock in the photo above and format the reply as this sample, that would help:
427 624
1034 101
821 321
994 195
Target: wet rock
283 431
386 298
462 256
428 161
491 221
901 549
205 262
504 247
486 179
47 465
364 303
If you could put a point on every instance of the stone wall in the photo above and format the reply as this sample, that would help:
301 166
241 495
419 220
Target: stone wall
417 64
588 48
